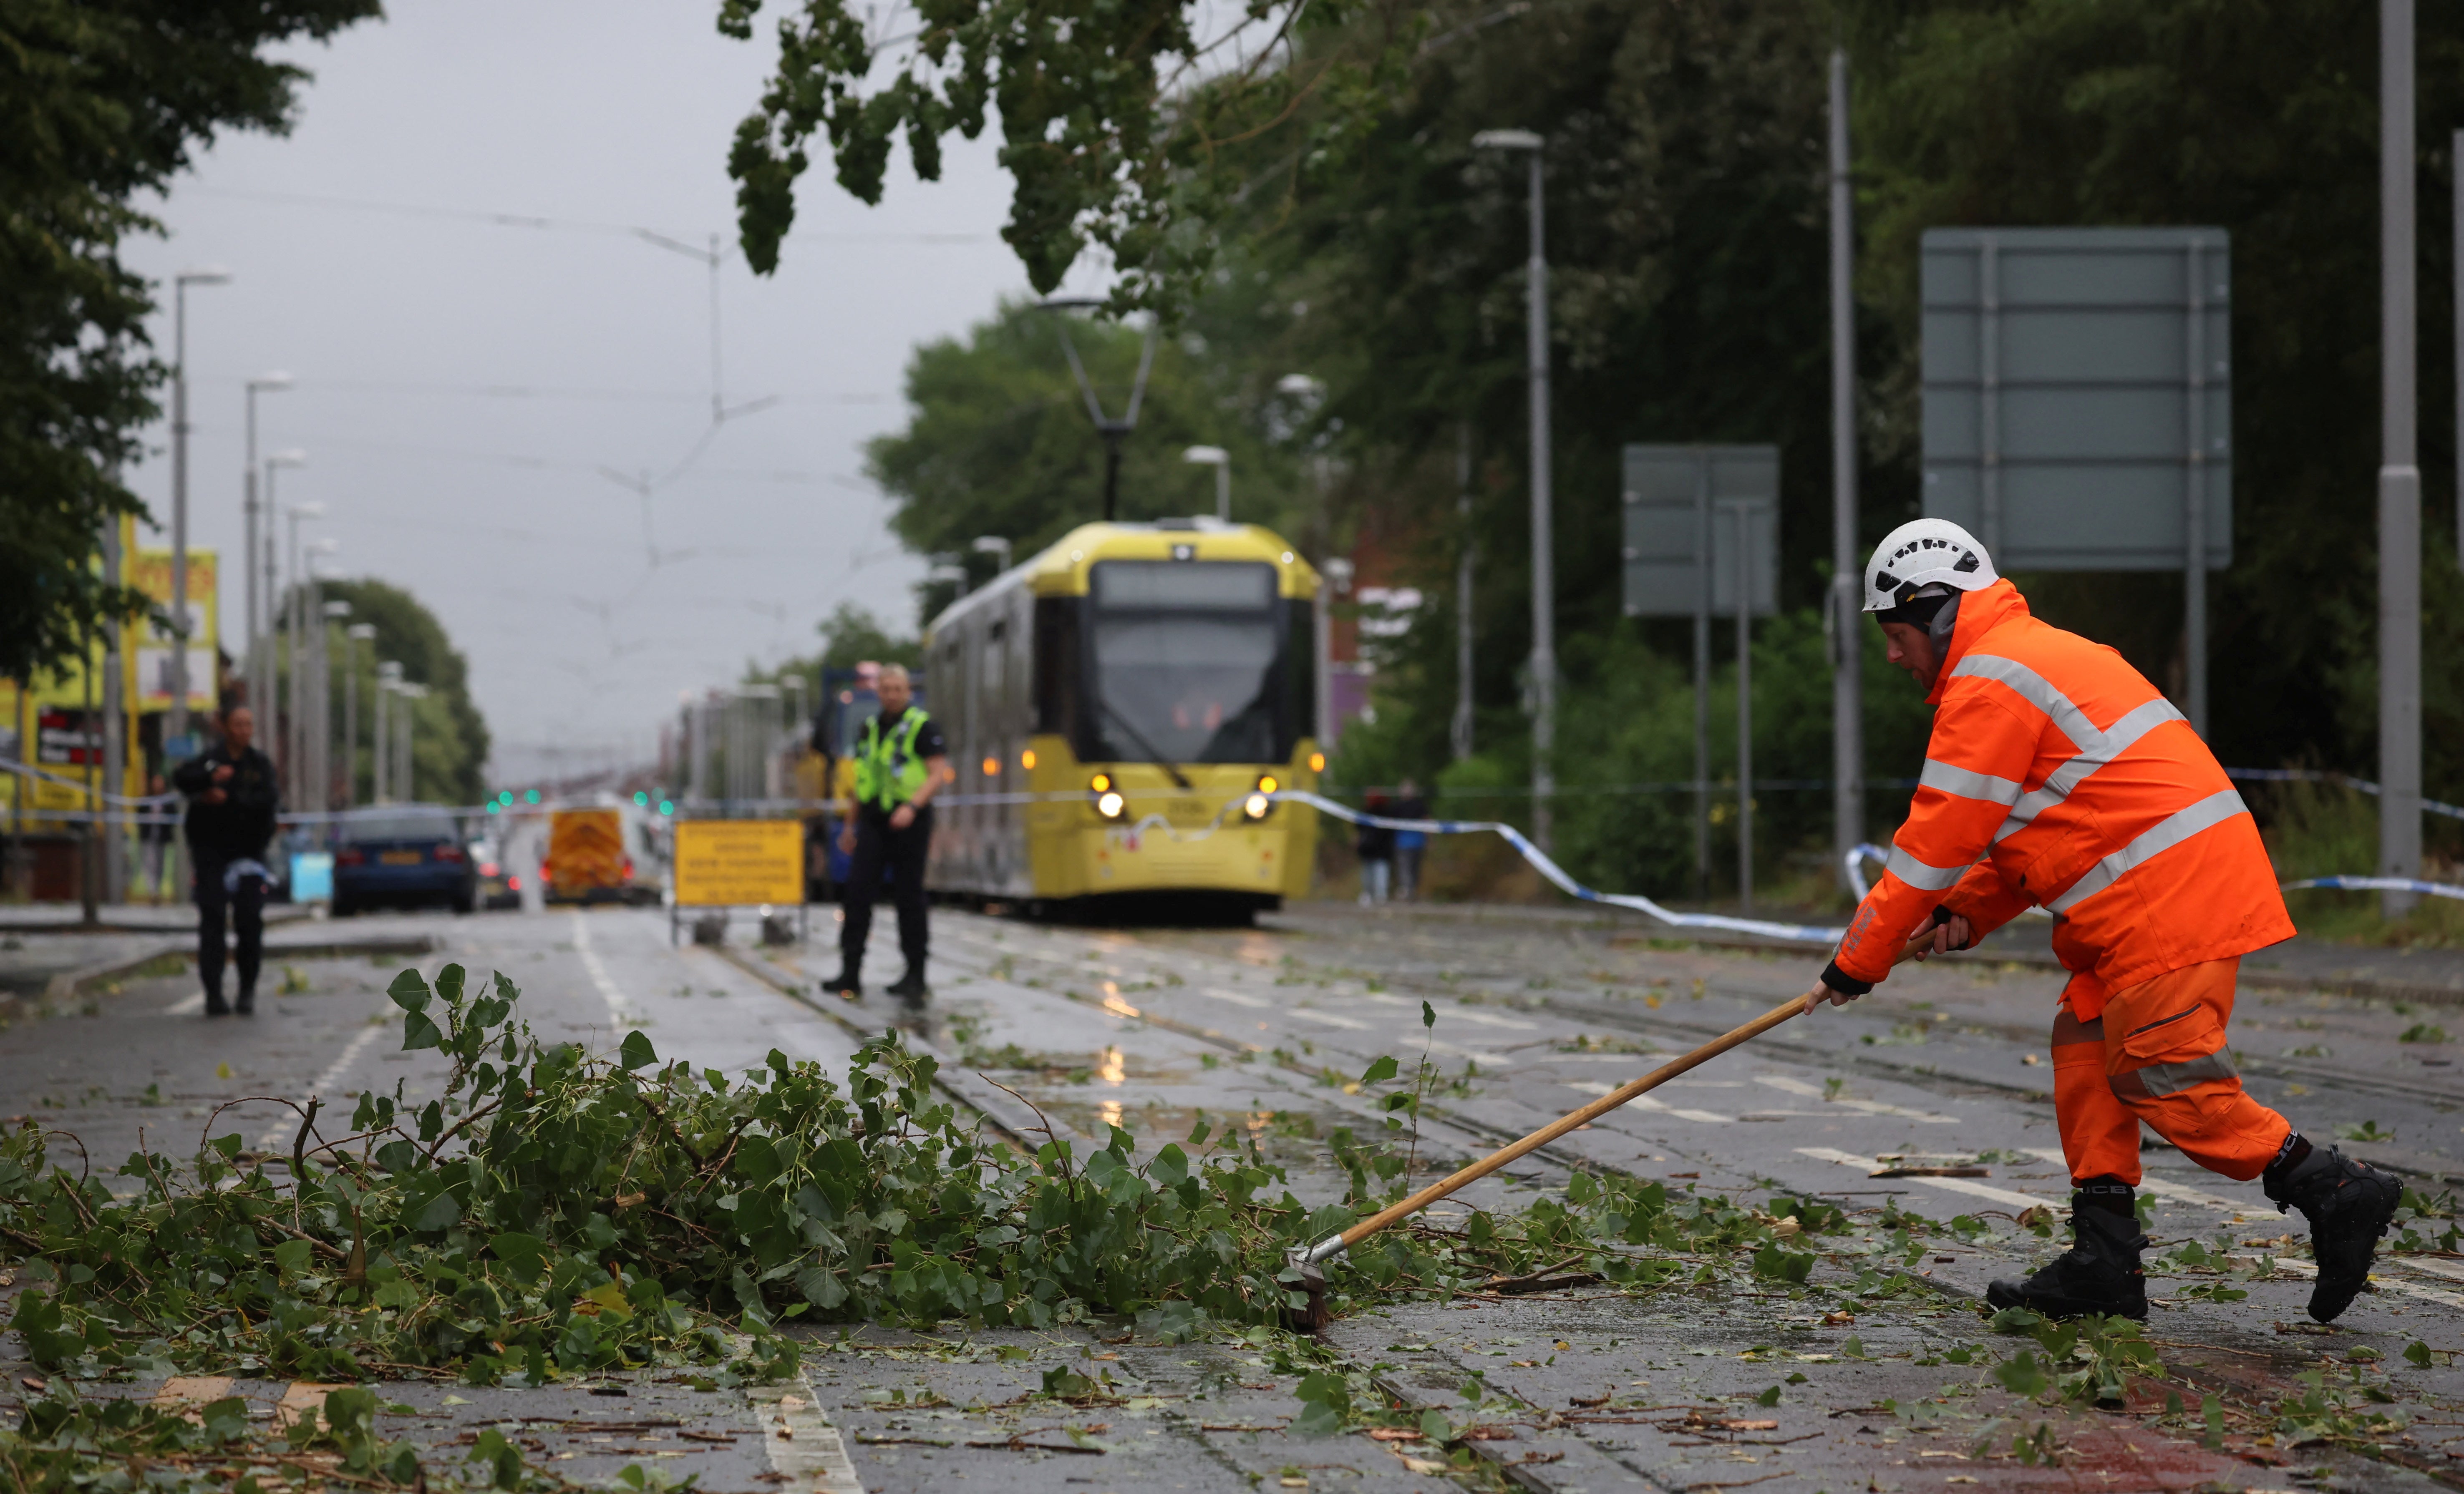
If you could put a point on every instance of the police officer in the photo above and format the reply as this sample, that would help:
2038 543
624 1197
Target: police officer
901 761
232 799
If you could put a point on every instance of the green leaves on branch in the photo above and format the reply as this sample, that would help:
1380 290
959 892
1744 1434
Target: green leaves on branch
1122 126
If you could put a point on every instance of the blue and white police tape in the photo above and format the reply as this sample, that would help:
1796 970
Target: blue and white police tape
1863 853
1793 932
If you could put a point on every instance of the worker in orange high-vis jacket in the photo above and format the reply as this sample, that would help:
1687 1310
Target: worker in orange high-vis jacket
2058 778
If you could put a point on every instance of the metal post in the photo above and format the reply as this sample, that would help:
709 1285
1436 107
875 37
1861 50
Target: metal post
1702 675
253 662
175 723
2399 471
90 862
320 712
350 718
1989 378
1743 514
1848 661
115 726
1223 491
2195 496
410 768
1544 582
1462 722
2455 153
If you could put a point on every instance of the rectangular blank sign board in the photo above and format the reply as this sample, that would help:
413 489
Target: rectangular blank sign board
2077 382
1672 495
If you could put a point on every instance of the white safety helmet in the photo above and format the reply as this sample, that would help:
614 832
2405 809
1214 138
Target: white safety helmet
1926 552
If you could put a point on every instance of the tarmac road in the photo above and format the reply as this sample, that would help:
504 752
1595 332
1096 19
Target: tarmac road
1149 1028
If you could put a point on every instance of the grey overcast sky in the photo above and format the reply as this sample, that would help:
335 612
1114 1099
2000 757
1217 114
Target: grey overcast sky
461 383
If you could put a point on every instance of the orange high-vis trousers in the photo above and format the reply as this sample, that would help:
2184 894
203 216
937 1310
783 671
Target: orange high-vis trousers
2157 1054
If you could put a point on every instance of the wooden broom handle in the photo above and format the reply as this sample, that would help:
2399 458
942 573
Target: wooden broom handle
1794 1006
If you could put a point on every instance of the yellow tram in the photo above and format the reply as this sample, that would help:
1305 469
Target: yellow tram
1105 702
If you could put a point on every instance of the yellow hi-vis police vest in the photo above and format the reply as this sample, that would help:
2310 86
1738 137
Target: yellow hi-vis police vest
887 770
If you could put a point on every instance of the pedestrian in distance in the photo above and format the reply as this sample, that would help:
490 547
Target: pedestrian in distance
1376 846
2057 777
1410 846
901 761
232 801
154 841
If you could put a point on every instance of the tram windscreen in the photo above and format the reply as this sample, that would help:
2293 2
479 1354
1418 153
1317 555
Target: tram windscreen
1186 656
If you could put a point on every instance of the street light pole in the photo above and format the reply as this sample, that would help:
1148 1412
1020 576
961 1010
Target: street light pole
1544 605
2399 468
1847 566
1220 460
295 766
176 725
357 634
259 674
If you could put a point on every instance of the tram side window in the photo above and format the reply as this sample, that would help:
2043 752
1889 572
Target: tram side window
1300 669
1057 709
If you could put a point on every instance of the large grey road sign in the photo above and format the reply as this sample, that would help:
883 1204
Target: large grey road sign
1671 518
2079 401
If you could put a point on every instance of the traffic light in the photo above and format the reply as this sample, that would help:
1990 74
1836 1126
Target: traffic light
666 807
530 795
641 800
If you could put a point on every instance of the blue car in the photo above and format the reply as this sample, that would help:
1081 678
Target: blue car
402 856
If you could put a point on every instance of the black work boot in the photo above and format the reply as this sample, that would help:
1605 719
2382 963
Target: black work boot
246 1005
2349 1206
2100 1273
848 984
911 985
216 1005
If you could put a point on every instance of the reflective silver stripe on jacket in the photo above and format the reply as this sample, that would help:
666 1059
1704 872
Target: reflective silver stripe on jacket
1968 783
2096 748
1915 873
2162 836
2156 1081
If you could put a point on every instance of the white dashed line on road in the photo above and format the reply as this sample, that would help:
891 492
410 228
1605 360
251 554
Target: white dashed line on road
1813 1092
1967 1185
1648 1103
619 1009
805 1447
334 1074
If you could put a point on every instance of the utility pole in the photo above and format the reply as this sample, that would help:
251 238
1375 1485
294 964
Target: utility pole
2399 468
359 633
1544 600
1847 566
1462 722
175 725
258 661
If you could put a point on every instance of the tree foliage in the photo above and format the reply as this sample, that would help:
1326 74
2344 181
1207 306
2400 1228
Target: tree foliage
449 740
101 101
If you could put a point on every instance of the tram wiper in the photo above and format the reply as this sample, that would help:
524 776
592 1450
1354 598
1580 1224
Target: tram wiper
1139 738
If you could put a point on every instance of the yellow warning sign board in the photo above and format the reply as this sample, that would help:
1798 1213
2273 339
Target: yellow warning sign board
739 863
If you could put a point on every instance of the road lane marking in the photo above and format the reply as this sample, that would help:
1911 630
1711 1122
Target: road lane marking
804 1446
1440 1045
1967 1185
334 1074
2161 1189
1645 1102
192 1003
2305 1268
1236 998
1813 1092
620 1011
1454 1013
1328 1018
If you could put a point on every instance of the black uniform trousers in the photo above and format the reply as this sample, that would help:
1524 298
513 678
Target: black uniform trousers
245 908
901 853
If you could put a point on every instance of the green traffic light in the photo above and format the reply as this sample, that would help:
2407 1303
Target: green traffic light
495 807
530 795
640 797
666 807
505 798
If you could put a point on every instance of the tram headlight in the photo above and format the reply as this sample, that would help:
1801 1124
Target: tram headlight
1256 805
1109 803
1318 762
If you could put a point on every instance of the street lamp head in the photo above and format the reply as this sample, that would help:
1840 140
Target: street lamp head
310 510
947 573
291 457
338 609
363 631
1300 387
1068 303
206 275
1208 456
321 546
274 378
1508 139
991 544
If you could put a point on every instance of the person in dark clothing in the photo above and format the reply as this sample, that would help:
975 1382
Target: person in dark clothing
1376 846
901 761
232 799
1410 846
